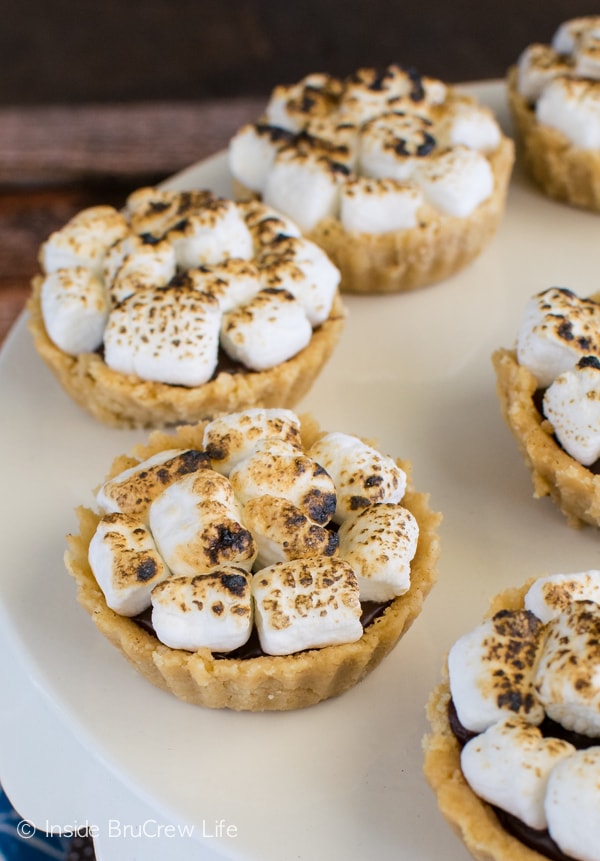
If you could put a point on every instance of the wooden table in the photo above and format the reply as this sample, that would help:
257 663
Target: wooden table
54 161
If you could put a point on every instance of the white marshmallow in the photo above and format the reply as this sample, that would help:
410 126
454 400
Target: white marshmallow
558 328
266 331
304 185
569 34
232 438
126 563
169 335
133 490
549 596
508 766
209 611
300 266
572 406
84 240
362 475
573 805
537 66
572 106
282 532
75 309
567 679
276 468
379 205
306 605
197 526
471 125
134 260
210 235
252 151
233 282
456 181
393 145
491 671
379 543
587 56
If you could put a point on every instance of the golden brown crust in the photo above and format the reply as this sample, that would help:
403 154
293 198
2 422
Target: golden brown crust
127 401
403 260
574 489
471 818
560 169
263 683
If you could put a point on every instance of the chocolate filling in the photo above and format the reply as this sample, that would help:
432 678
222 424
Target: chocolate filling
539 841
371 610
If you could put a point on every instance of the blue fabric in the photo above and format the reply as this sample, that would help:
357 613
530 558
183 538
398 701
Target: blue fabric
21 842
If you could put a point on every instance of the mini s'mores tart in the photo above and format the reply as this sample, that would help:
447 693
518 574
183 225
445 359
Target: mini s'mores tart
398 177
183 305
514 751
252 562
554 96
549 391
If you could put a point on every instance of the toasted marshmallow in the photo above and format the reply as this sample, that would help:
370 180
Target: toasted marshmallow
210 235
337 138
197 526
456 181
126 563
379 205
291 107
567 680
371 92
266 224
306 605
266 331
570 33
234 437
155 211
300 266
276 468
252 151
537 66
572 805
587 55
572 106
75 309
548 596
84 240
471 125
379 543
282 532
491 670
169 335
508 766
572 406
361 474
135 260
209 611
392 145
305 185
134 489
557 330
232 282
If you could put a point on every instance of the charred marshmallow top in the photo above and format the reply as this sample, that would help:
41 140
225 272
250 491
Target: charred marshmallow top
562 81
240 535
510 673
375 150
559 342
176 277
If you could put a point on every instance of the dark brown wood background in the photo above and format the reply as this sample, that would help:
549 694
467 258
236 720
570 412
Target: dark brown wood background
98 97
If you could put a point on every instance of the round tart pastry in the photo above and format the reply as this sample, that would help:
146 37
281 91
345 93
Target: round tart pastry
514 752
181 306
254 562
549 390
401 179
554 97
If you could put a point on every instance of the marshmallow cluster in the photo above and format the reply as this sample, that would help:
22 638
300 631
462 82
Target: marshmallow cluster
559 342
510 674
250 531
376 150
176 279
562 81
